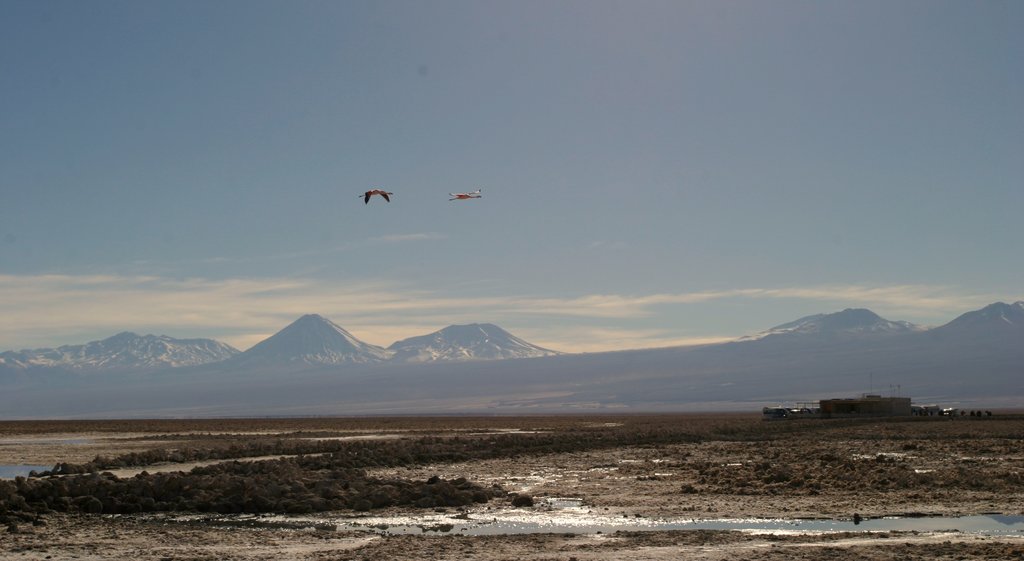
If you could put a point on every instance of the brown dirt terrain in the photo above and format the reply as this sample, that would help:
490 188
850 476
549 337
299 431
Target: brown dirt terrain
637 467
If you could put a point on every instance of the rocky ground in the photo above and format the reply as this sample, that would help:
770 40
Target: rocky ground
633 467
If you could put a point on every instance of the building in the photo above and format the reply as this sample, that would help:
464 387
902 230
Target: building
866 406
801 411
926 410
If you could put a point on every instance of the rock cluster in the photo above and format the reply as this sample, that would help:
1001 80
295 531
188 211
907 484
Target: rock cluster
284 486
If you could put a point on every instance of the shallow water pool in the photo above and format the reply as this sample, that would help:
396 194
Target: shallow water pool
12 471
521 521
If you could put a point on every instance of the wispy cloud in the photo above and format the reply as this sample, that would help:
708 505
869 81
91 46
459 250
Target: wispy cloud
910 299
40 310
598 339
895 300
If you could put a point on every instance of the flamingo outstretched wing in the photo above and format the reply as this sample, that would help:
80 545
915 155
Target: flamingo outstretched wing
464 196
372 192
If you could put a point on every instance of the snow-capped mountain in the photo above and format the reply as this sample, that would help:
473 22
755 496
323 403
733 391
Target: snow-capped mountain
849 322
476 341
975 359
995 320
122 352
998 315
314 340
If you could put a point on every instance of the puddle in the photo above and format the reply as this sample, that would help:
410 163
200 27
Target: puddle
579 521
12 471
895 456
355 437
562 502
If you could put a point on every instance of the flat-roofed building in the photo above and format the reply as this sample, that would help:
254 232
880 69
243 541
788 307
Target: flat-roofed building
866 406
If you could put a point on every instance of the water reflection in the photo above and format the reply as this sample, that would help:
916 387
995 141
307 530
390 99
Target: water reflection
523 522
12 471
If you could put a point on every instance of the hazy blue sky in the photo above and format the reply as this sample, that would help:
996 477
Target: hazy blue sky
653 172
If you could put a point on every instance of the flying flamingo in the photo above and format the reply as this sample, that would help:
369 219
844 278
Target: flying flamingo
463 196
366 196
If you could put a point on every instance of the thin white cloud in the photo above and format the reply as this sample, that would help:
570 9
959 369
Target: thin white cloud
895 301
42 310
596 339
909 299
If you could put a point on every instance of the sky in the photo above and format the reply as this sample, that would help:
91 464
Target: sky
653 173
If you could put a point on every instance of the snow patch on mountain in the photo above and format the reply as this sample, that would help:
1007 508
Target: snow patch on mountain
476 341
994 318
123 351
849 322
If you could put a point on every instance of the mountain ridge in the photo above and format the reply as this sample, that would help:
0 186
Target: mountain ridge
1007 316
125 350
314 341
475 341
848 322
981 365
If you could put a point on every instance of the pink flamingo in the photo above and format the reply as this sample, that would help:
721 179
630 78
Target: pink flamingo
463 196
372 192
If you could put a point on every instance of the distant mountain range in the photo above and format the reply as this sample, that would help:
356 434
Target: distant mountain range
311 340
124 351
315 367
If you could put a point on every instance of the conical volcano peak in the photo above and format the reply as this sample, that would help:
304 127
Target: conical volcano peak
314 339
312 321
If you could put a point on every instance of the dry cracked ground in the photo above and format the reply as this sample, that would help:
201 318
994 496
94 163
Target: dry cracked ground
635 468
